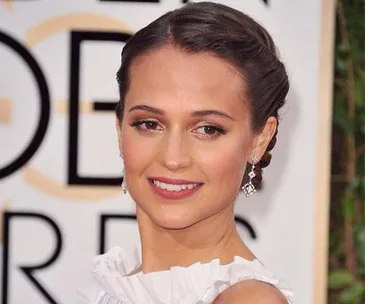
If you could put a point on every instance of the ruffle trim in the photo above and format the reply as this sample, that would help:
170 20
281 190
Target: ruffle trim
196 284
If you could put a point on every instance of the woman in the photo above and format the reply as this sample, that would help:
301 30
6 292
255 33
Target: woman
200 89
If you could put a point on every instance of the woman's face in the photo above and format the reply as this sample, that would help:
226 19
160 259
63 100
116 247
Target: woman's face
185 137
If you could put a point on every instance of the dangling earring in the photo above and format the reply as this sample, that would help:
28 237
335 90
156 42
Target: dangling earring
123 185
249 188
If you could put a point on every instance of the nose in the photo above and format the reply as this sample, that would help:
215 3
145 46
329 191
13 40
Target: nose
175 154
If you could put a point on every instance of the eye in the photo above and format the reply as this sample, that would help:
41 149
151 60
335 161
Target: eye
210 131
147 125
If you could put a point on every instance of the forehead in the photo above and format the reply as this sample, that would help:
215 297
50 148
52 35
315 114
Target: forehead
171 76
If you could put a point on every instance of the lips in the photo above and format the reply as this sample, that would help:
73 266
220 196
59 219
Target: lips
173 181
174 188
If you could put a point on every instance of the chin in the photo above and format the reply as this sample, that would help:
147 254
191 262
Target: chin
175 218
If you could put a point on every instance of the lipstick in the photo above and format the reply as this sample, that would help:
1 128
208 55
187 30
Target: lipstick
173 188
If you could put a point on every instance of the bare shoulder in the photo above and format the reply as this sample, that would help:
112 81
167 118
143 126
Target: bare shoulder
251 292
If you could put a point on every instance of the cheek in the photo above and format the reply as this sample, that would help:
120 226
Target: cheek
137 152
225 163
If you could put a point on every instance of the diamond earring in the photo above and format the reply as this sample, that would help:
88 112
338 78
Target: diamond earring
123 185
249 188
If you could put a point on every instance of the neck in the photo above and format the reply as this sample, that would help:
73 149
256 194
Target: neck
215 237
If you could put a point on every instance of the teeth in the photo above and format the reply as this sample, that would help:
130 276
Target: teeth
177 188
172 187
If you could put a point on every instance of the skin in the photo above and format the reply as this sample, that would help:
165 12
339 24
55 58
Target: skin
252 292
176 143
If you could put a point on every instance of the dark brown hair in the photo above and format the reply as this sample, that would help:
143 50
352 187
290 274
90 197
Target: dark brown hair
228 34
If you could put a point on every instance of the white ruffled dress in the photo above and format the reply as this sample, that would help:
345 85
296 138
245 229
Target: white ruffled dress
114 280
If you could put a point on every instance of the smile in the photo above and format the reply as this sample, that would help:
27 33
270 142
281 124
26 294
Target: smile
173 187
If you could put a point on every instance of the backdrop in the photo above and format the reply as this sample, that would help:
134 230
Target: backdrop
59 163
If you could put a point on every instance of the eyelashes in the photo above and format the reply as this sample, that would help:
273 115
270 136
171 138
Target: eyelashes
211 130
150 126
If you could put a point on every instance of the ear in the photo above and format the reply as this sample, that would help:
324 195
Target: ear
119 134
262 140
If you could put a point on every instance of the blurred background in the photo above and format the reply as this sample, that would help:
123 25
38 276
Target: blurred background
347 217
60 172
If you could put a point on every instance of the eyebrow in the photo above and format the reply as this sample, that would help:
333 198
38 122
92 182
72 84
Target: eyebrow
147 109
203 113
200 113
